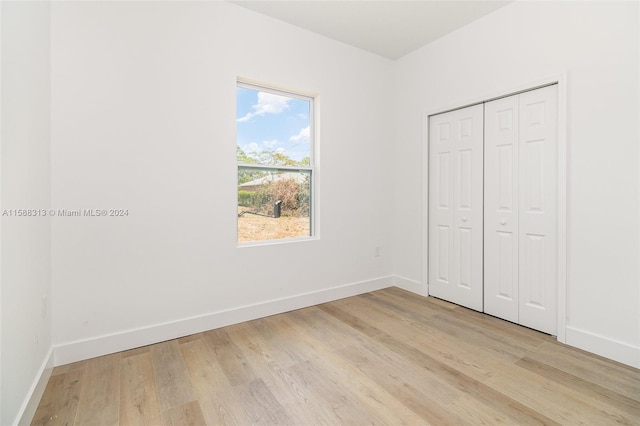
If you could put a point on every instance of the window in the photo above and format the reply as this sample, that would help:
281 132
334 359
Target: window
274 146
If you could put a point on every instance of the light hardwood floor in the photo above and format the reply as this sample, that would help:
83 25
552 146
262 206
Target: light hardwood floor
387 357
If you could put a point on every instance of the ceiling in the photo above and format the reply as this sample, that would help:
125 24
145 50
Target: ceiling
390 28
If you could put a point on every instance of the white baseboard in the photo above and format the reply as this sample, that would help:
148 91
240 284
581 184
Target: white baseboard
409 285
603 346
30 404
102 345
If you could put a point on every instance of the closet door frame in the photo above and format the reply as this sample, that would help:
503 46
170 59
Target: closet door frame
563 190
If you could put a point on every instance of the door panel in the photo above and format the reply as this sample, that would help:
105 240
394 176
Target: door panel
505 172
501 295
533 173
506 287
465 244
465 177
533 274
444 248
455 206
538 209
444 172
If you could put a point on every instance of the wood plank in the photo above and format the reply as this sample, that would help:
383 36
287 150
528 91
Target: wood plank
329 330
230 358
407 298
100 396
277 332
218 403
188 414
261 405
557 401
171 375
612 375
54 410
472 411
426 405
502 347
332 393
319 354
621 402
526 335
400 371
420 310
139 404
67 368
262 358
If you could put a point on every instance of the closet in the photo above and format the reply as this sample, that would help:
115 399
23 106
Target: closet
493 207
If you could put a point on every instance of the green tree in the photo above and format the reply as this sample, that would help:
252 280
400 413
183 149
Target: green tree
247 174
274 158
306 161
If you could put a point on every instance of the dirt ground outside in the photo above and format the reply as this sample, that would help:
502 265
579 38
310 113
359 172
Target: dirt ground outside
259 228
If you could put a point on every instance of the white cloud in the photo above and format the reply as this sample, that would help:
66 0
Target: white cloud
303 136
252 147
268 103
271 143
281 150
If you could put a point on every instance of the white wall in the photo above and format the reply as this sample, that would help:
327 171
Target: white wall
596 44
143 118
25 328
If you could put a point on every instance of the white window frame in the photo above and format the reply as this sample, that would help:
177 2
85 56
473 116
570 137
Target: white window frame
311 169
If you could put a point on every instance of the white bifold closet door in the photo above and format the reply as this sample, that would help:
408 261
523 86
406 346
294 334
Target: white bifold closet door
455 206
520 208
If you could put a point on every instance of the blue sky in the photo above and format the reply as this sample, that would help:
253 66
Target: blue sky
268 122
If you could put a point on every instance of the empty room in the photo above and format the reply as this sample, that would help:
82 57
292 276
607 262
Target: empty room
319 212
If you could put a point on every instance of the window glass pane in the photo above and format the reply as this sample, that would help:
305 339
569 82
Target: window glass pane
273 204
272 129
